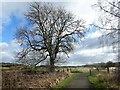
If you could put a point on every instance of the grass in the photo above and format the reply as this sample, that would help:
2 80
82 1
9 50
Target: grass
76 72
65 82
97 83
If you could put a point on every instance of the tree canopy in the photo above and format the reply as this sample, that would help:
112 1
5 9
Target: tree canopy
53 32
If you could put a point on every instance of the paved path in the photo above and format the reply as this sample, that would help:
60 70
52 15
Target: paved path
80 81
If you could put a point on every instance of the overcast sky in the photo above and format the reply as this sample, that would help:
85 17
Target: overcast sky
88 51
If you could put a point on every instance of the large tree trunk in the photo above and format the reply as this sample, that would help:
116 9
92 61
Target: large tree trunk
52 67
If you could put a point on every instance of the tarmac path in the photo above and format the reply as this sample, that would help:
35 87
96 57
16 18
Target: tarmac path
80 82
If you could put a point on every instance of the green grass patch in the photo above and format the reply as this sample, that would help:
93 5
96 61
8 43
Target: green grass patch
97 83
65 82
76 72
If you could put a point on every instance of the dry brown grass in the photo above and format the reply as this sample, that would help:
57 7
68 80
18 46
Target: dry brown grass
109 78
15 79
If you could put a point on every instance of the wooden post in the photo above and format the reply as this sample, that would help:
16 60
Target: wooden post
90 72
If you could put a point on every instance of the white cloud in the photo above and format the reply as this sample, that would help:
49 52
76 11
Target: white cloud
82 9
3 45
13 8
96 34
8 51
90 51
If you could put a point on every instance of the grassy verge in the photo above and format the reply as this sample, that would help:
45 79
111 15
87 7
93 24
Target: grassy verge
97 83
76 72
65 82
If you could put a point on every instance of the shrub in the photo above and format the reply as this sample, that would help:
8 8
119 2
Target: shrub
97 83
75 71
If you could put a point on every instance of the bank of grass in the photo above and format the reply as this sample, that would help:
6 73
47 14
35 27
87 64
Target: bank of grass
97 83
65 82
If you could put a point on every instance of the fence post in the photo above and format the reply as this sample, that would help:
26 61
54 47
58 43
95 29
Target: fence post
90 72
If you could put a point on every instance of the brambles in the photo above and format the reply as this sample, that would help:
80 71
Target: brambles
15 79
104 80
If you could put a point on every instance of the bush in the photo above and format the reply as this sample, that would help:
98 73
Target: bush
75 72
33 70
97 83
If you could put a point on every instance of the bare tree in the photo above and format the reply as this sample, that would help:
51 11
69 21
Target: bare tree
54 29
109 20
110 23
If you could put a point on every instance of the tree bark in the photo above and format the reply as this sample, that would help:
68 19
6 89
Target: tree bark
108 69
52 67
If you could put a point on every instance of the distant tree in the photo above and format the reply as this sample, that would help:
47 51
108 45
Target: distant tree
53 32
109 64
102 65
